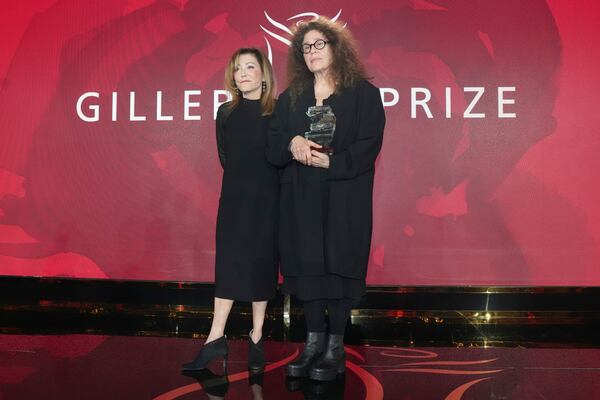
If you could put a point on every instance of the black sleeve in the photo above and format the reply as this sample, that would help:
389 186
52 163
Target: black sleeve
220 125
277 138
360 156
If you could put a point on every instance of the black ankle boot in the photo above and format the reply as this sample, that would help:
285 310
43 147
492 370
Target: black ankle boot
315 343
256 354
332 362
210 351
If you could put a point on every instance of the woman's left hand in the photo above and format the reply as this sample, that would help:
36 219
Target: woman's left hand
319 159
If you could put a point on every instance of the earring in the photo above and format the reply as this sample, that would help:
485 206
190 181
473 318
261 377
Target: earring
237 91
264 86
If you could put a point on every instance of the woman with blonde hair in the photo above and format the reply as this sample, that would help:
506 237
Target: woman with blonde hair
246 235
326 196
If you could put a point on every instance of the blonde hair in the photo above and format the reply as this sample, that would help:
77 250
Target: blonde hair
267 97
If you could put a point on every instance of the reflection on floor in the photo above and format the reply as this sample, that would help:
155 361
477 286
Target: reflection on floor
117 367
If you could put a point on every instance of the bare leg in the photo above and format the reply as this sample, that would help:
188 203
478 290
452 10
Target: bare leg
258 318
221 313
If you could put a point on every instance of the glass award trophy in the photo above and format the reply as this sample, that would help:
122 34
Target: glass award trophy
322 127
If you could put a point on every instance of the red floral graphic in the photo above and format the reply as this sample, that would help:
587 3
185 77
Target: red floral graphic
493 201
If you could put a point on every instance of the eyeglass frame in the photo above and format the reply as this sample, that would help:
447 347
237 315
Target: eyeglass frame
314 44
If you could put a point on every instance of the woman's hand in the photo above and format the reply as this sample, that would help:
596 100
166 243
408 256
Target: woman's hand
319 159
301 149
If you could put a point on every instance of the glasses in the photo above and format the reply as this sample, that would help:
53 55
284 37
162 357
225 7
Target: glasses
319 44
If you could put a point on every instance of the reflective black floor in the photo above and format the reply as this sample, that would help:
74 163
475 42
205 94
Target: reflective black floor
118 367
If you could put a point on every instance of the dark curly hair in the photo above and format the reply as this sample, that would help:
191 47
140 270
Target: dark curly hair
346 67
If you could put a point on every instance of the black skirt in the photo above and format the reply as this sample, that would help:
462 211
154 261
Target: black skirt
328 285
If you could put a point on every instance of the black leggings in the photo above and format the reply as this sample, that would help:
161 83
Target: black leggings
337 309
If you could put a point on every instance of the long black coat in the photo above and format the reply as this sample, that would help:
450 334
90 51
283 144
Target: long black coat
326 214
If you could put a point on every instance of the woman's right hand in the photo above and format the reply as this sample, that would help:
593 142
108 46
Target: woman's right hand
301 149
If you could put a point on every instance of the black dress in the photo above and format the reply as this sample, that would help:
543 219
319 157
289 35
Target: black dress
326 214
246 239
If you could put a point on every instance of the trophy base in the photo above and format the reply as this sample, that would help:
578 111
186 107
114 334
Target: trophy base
325 149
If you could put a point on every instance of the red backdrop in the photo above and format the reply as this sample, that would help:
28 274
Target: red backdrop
474 188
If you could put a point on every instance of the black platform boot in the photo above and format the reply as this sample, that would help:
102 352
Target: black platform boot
210 351
332 362
256 354
315 344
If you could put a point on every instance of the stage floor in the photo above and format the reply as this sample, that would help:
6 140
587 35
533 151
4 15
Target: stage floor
136 367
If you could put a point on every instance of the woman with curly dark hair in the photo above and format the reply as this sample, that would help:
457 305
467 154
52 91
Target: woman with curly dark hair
326 196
